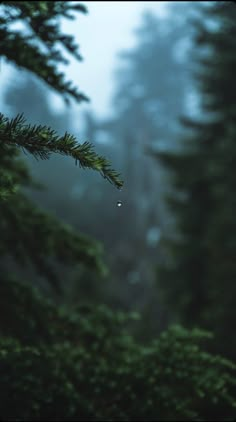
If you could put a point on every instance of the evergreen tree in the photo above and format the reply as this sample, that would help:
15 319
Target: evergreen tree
198 278
152 83
35 48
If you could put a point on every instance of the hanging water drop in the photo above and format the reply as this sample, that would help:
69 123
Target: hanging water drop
119 204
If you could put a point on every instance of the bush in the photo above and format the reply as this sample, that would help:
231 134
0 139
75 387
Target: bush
57 364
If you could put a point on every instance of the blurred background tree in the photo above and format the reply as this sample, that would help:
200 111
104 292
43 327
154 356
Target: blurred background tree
198 278
153 87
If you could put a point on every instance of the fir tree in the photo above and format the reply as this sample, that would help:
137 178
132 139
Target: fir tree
198 278
35 48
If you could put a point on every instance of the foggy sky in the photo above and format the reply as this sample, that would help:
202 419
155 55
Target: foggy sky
104 31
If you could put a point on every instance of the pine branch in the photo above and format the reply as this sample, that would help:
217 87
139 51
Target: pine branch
35 48
42 141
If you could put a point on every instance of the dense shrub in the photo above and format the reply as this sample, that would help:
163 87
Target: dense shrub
81 364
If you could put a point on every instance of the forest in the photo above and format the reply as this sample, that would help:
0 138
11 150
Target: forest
118 231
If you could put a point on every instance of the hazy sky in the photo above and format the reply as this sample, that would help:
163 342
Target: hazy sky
104 31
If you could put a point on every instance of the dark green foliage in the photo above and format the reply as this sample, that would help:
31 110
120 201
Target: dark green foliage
91 368
199 276
13 172
44 241
33 385
35 47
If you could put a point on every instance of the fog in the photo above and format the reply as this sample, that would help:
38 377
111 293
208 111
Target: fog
102 33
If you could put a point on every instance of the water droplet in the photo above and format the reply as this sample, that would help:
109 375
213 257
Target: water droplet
119 204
